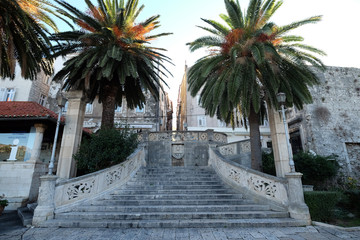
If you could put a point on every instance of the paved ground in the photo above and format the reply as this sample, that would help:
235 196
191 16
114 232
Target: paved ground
12 230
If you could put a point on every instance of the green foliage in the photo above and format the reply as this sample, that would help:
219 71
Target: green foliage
3 201
104 149
321 204
315 168
22 41
350 201
114 59
268 163
252 59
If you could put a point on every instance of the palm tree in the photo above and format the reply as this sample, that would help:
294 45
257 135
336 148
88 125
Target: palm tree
42 11
251 59
22 41
112 55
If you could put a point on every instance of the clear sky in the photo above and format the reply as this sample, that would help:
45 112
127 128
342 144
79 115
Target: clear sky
337 34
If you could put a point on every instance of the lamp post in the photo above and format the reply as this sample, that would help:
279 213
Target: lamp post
281 98
61 101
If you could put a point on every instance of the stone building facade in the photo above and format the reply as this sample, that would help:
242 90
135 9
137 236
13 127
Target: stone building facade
191 116
331 124
20 89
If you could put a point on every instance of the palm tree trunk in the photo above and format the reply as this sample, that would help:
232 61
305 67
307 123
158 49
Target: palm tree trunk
108 104
254 122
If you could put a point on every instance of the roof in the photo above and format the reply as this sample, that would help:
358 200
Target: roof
21 110
29 110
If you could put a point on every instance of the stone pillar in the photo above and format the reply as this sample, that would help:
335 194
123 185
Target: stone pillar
210 133
36 150
46 205
145 143
279 144
72 134
297 207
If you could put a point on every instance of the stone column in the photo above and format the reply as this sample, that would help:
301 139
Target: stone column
36 150
72 134
279 144
297 207
46 204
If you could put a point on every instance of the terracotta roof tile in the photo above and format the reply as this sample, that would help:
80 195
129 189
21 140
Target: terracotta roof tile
25 110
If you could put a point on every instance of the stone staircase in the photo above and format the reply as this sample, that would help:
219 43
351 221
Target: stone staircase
172 197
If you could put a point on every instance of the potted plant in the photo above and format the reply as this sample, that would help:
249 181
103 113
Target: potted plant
3 203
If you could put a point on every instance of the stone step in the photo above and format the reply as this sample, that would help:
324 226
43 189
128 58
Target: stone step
176 191
175 178
172 196
73 216
194 223
173 187
182 171
158 202
172 208
172 183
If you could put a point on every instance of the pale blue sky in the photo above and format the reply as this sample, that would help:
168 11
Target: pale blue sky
338 34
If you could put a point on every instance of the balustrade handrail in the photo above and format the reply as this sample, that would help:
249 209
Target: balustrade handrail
263 187
73 191
177 136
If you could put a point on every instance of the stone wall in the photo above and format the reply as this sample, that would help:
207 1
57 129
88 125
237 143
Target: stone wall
189 148
20 182
40 86
331 125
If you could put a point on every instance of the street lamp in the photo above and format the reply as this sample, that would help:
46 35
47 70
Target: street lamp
281 98
61 101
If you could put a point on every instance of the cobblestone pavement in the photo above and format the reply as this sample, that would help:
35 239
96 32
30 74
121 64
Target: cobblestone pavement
288 233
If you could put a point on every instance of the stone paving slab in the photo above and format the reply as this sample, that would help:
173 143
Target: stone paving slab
289 233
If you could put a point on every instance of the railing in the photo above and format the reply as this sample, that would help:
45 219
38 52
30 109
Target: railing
183 136
90 185
262 187
235 148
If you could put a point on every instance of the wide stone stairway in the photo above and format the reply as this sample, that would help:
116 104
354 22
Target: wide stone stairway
172 197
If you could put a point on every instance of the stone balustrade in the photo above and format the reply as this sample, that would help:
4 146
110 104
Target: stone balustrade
262 187
184 136
239 152
58 197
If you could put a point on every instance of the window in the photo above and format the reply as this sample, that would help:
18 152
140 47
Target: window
118 109
202 121
46 80
89 108
7 94
140 110
42 100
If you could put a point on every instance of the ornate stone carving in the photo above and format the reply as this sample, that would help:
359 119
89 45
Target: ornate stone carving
203 136
220 137
228 150
262 186
178 136
245 146
192 136
256 183
178 151
77 189
113 176
140 137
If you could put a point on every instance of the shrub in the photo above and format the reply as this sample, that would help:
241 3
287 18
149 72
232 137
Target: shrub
268 163
316 169
321 204
3 201
350 201
104 149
